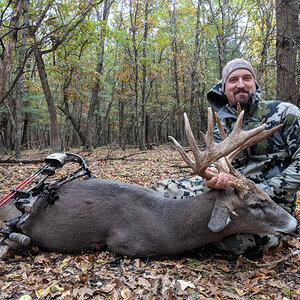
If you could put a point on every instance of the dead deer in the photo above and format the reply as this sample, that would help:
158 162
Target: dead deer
138 222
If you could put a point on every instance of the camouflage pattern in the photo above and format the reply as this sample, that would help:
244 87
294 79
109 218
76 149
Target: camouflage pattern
181 188
273 164
247 244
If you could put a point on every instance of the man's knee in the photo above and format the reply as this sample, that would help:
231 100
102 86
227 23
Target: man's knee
247 244
183 188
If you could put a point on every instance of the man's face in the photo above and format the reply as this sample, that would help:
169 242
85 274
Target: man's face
239 86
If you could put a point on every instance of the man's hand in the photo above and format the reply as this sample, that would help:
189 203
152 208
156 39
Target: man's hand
220 181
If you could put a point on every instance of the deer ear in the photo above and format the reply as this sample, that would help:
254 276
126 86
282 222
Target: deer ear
220 217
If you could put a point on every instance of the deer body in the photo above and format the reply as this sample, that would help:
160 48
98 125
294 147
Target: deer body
139 222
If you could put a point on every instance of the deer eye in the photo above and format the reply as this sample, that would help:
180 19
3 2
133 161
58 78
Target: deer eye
256 206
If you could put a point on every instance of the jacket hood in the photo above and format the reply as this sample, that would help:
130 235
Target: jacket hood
217 99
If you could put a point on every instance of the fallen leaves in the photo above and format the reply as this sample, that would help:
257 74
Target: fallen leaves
186 284
104 276
197 275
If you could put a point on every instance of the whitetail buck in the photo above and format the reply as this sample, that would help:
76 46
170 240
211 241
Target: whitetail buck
139 222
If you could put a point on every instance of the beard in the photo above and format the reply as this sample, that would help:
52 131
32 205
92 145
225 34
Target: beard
243 97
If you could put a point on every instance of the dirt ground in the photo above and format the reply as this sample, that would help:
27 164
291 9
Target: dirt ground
199 274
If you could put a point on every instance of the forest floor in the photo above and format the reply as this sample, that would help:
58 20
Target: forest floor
33 274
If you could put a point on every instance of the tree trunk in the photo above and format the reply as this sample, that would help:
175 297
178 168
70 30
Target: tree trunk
20 85
99 69
121 121
133 28
54 134
267 28
142 139
194 79
219 23
176 120
18 117
72 116
9 47
286 50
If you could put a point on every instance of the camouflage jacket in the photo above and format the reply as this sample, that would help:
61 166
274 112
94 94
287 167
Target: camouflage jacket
274 163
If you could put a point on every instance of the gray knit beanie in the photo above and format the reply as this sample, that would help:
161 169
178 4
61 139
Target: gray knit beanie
233 65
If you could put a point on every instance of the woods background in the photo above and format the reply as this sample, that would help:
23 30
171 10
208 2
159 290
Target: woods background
91 73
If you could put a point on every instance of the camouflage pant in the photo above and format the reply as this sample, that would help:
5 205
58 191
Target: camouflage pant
246 244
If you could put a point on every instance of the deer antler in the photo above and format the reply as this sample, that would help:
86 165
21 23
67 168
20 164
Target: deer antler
221 154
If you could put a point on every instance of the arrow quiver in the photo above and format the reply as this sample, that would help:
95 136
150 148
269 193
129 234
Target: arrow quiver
24 200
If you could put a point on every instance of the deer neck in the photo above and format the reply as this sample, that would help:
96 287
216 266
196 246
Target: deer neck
184 223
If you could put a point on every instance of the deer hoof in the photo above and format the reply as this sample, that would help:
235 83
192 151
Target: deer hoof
3 250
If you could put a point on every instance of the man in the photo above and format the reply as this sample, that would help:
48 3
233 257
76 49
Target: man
273 164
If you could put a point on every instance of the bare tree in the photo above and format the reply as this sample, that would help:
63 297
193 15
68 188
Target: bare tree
142 139
8 47
20 84
287 12
194 74
176 95
99 69
225 16
134 9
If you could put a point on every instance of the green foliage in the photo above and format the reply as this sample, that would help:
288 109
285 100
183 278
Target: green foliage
139 62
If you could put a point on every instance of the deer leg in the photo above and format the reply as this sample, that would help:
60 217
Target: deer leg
8 245
4 250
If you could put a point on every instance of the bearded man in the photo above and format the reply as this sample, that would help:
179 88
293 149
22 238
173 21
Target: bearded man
273 164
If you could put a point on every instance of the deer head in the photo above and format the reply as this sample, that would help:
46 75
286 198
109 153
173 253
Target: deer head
221 155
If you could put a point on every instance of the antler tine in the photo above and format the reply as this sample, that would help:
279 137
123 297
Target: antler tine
210 128
202 158
183 154
254 140
238 127
221 129
191 139
239 109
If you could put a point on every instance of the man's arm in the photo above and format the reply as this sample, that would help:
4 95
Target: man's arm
287 182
